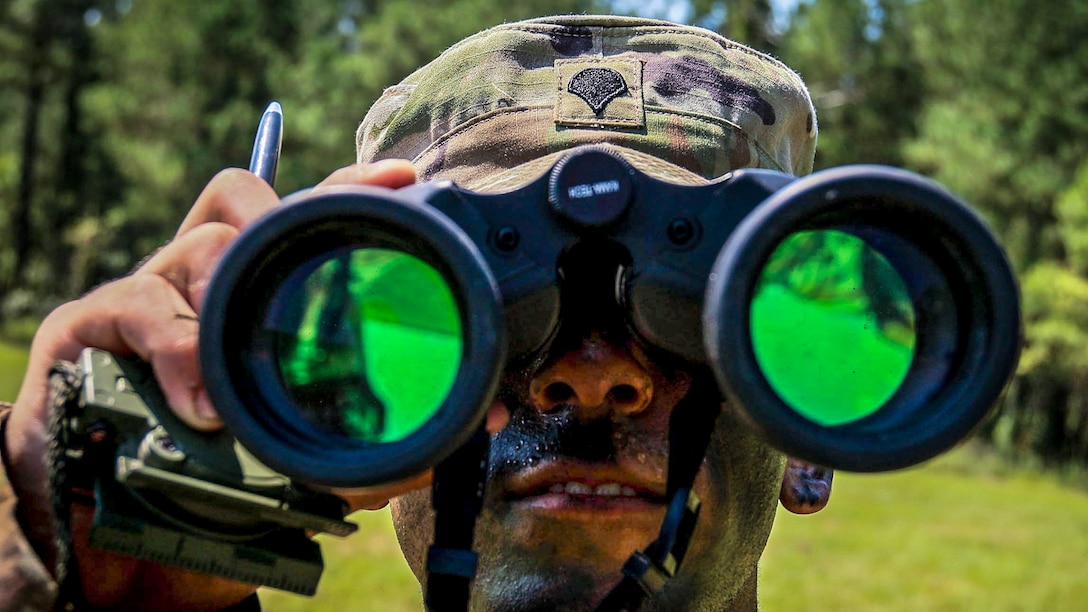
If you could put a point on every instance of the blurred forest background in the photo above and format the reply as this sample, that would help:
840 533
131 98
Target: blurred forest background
117 112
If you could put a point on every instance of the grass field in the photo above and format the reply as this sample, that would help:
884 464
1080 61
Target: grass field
958 534
961 533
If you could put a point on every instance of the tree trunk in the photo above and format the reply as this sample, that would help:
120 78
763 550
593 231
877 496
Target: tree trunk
75 198
35 95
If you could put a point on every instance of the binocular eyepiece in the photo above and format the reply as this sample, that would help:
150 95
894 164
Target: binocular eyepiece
862 317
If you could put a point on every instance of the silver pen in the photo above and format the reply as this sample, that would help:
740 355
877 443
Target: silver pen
266 145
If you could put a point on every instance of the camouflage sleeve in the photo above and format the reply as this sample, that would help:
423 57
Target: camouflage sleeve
25 583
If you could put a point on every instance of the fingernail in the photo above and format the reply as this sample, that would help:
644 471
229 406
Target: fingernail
384 164
204 409
374 170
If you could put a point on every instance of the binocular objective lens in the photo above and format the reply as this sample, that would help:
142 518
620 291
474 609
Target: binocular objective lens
367 341
832 326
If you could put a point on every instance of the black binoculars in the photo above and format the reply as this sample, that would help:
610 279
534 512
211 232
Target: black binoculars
862 318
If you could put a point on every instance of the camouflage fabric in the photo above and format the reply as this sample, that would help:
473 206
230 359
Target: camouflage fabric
679 102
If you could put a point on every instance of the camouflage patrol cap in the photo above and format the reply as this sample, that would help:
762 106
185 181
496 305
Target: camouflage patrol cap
497 109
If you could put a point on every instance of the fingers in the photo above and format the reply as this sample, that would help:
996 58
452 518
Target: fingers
153 313
392 173
189 261
498 417
144 315
235 197
376 498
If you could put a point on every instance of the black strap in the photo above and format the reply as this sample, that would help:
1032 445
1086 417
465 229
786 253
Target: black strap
457 497
65 382
690 426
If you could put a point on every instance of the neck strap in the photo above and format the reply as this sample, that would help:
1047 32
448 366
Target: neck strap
690 426
457 497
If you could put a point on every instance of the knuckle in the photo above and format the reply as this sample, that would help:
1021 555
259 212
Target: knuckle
174 347
210 237
218 195
228 178
191 251
61 313
142 287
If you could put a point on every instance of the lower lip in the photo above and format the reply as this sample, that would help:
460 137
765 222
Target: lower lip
588 506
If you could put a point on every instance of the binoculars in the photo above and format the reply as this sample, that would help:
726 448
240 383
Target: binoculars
862 318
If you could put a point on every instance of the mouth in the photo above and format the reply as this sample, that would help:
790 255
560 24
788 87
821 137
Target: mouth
584 490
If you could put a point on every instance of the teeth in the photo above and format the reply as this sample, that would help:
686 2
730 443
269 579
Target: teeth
577 488
607 489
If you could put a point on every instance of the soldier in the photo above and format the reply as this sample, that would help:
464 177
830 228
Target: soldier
582 434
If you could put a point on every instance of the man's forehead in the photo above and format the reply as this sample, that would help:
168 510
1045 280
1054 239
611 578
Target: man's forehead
523 91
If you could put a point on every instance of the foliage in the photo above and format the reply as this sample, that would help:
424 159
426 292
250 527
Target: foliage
1005 124
1047 411
1072 213
857 57
130 107
1005 120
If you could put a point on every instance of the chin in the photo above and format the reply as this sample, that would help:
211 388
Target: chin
540 556
530 590
532 561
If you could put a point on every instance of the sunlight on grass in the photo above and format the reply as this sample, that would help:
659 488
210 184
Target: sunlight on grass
942 537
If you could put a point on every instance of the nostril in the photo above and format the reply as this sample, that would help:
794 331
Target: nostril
558 393
623 394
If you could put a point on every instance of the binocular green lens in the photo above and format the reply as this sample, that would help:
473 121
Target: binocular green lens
832 326
368 342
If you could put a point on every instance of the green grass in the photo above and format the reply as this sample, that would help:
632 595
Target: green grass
363 572
13 358
961 533
954 535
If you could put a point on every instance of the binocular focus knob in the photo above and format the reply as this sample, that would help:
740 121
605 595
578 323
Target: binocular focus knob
592 193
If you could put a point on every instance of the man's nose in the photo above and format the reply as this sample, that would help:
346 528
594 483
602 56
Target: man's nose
596 378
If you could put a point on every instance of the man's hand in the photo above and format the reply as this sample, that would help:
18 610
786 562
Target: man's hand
153 314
